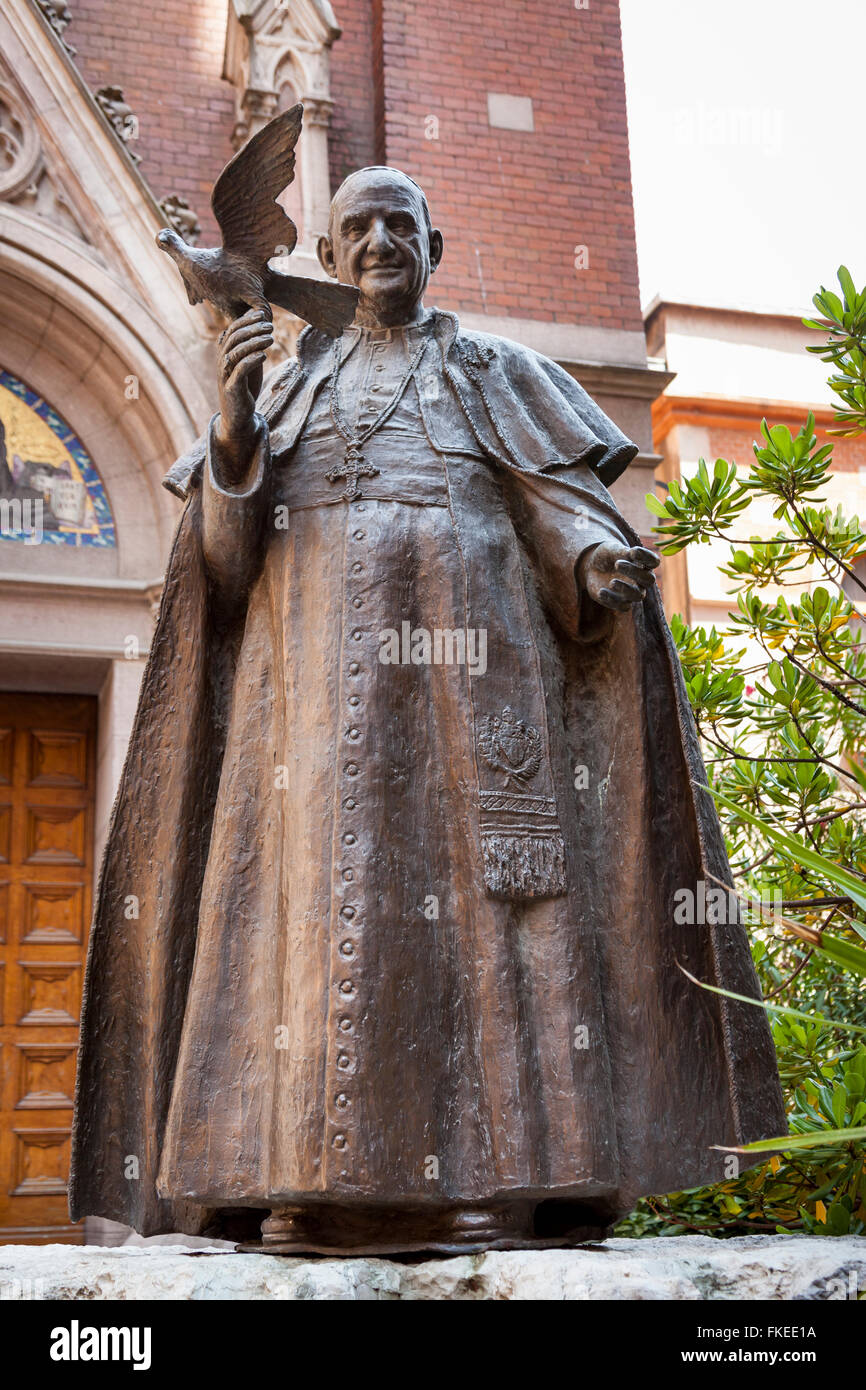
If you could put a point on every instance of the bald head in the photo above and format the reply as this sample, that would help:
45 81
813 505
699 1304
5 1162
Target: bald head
381 176
380 238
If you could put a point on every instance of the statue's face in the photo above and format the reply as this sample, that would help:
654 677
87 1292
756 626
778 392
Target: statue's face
380 241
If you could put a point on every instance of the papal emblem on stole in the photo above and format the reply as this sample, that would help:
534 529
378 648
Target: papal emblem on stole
511 747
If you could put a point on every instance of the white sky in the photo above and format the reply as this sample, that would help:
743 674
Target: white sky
746 126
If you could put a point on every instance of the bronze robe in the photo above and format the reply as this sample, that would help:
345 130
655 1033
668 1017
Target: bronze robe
409 931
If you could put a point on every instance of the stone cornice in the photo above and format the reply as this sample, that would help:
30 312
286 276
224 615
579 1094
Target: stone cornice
725 412
611 379
564 342
51 586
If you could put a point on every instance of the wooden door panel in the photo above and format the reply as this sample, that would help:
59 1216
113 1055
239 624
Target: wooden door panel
46 1076
7 743
57 759
47 784
42 1162
48 993
55 835
51 912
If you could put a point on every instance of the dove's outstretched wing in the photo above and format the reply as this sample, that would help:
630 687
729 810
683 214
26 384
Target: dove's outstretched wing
252 223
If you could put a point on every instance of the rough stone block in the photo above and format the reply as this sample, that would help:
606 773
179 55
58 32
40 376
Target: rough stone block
690 1268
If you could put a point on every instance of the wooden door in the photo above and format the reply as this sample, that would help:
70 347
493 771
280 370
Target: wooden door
47 774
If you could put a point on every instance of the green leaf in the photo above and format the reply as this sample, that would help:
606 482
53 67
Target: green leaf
654 505
838 1218
781 437
843 953
775 1008
815 1138
847 284
832 305
852 887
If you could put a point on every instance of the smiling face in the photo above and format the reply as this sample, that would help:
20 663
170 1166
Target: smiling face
380 239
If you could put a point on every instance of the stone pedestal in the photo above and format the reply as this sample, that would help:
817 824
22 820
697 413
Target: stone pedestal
676 1268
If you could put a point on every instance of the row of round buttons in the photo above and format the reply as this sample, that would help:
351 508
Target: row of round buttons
348 888
344 987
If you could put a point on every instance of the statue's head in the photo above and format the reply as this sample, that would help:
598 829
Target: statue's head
381 239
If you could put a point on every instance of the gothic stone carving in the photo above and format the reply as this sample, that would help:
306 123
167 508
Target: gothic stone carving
181 217
25 179
271 48
120 117
59 16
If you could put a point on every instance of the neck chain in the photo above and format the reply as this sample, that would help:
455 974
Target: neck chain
354 466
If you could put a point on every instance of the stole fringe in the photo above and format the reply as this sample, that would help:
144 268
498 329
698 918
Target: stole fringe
524 866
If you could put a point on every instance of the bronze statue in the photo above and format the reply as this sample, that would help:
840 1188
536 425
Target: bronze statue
411 789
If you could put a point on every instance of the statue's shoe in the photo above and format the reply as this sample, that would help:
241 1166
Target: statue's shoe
324 1228
289 1226
481 1227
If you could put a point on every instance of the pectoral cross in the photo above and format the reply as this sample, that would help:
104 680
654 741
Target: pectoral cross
352 468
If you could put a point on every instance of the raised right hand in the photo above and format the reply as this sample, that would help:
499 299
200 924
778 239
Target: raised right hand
242 348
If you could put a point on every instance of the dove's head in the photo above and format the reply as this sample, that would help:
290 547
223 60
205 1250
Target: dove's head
381 239
168 240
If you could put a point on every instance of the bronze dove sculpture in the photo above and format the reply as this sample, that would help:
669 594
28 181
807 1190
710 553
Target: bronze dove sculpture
236 276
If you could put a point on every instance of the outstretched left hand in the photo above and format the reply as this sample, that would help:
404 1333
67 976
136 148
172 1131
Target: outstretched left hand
618 575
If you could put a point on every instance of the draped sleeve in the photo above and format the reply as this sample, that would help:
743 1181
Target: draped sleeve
560 517
234 517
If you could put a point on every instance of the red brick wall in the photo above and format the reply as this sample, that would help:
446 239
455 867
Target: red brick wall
167 57
513 205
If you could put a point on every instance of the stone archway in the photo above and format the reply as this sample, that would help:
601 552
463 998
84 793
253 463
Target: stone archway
77 336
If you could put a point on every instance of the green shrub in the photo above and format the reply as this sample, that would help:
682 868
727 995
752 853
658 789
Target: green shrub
779 697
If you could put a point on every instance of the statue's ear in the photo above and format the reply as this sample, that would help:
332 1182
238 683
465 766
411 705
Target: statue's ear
437 246
325 252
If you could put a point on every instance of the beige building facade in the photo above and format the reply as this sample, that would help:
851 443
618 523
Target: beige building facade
729 369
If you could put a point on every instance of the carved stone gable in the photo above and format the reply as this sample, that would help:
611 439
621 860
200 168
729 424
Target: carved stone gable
27 178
